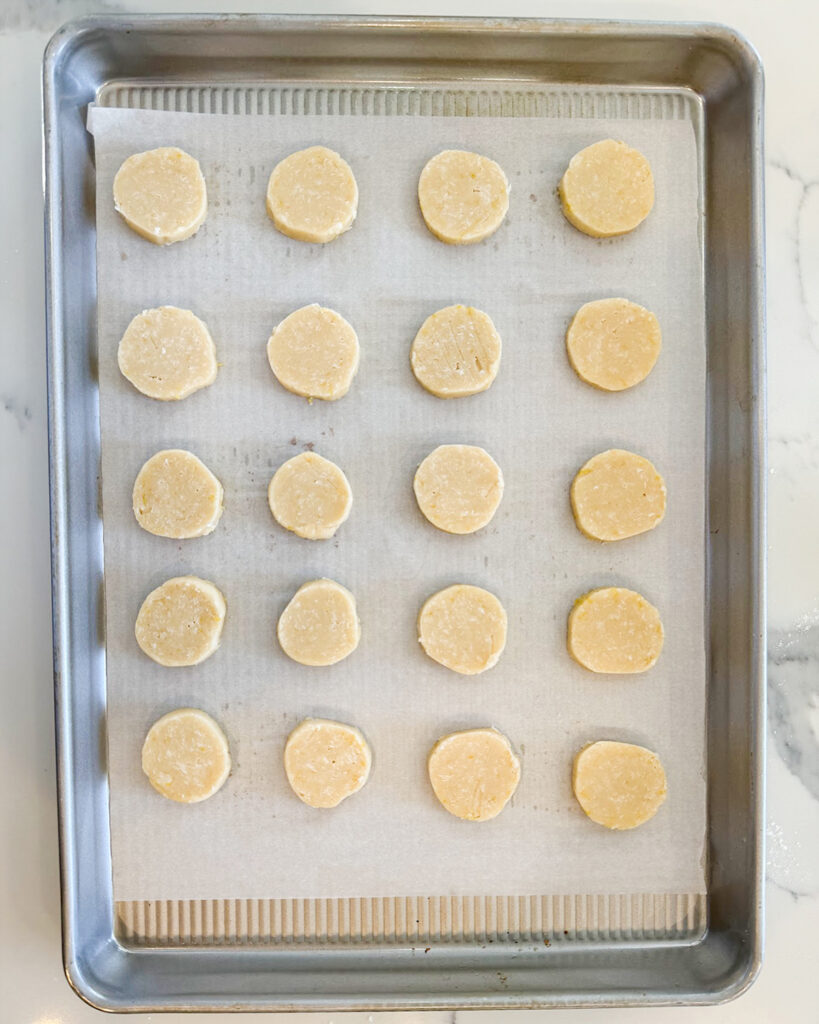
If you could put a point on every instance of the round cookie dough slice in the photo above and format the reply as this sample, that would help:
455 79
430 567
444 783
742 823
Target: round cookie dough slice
326 761
616 631
463 196
167 353
180 623
176 495
474 773
312 195
618 785
458 488
185 756
456 352
320 624
617 494
314 352
161 194
608 189
310 496
613 344
463 628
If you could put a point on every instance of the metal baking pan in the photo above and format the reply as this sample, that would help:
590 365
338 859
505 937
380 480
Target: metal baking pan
585 956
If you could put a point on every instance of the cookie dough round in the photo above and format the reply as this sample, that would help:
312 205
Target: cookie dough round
185 756
180 623
314 353
474 773
326 761
608 189
617 494
463 196
312 195
176 495
310 496
458 488
320 624
167 353
613 344
615 631
463 628
618 785
456 352
161 194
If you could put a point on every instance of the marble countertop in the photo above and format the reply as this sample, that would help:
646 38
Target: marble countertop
32 986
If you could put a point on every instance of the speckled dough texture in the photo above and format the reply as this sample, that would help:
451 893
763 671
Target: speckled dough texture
608 189
176 495
463 628
314 353
161 194
456 352
463 196
310 496
186 756
320 624
613 344
474 773
458 487
619 785
616 495
167 353
180 623
312 195
326 761
615 630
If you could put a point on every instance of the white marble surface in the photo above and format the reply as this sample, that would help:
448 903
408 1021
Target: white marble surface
32 987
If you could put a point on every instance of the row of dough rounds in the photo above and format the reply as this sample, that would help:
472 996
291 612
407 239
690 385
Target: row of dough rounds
312 195
611 630
458 487
168 353
473 773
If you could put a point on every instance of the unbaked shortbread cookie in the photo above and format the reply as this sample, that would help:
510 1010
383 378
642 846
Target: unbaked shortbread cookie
456 352
326 761
185 756
167 353
312 195
613 344
180 623
615 630
618 785
474 773
608 189
161 194
176 495
463 196
617 494
463 628
314 353
320 624
458 487
310 496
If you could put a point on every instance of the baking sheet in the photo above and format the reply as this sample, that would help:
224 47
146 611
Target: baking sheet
255 839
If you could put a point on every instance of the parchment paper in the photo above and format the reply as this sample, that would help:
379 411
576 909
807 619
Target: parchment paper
255 839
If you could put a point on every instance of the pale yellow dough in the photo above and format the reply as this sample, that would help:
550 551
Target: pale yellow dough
613 344
176 495
320 624
463 196
617 494
614 630
474 773
167 353
463 628
314 353
312 195
180 623
161 194
608 189
326 761
185 756
456 352
458 487
310 496
618 785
